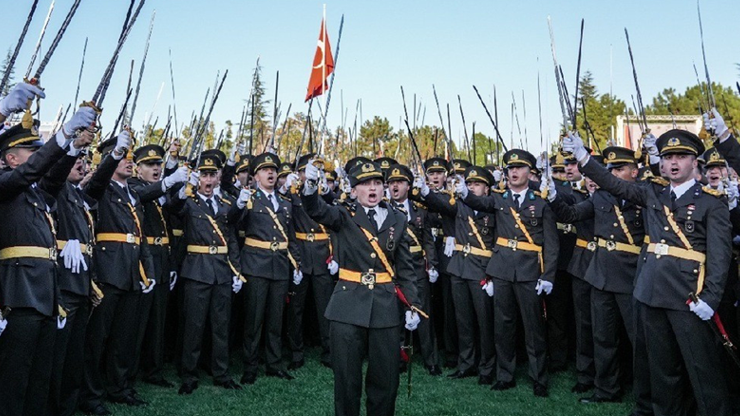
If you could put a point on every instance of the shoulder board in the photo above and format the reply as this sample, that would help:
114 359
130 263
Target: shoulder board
226 201
283 197
537 193
498 191
659 180
419 205
712 192
583 191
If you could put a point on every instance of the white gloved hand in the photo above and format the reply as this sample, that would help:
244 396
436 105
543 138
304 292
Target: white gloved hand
194 178
173 280
18 97
421 185
244 196
716 123
333 267
433 275
346 187
543 286
178 176
339 171
61 322
3 325
541 161
123 144
236 284
497 176
412 320
73 257
548 185
461 188
297 277
449 246
82 119
733 193
702 310
145 289
324 184
574 144
311 184
488 288
649 144
289 181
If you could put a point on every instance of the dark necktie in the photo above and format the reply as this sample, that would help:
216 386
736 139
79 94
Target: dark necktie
209 205
516 200
673 201
371 215
272 202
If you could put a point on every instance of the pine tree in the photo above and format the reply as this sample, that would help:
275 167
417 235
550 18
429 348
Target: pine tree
10 84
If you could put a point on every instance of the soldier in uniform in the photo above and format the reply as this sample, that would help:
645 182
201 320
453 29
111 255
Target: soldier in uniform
619 233
151 183
316 258
423 252
681 280
365 311
124 269
523 267
471 290
269 252
29 299
209 274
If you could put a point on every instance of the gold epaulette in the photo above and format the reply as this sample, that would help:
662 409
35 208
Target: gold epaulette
419 205
498 191
226 201
712 192
537 193
659 180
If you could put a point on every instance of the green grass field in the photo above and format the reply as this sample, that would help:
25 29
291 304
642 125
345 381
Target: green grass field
311 394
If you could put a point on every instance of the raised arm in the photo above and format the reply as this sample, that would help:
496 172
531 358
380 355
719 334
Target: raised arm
321 212
570 213
631 191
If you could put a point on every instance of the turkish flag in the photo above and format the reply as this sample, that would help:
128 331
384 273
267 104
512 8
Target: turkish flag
323 65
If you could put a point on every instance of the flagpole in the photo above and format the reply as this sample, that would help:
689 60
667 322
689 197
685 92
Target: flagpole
323 74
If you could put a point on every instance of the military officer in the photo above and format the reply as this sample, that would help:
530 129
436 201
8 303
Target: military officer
523 267
269 252
365 311
681 280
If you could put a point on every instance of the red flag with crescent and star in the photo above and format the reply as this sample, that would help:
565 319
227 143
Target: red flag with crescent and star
323 66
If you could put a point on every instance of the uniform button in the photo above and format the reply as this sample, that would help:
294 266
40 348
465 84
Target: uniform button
665 228
102 248
657 256
35 204
344 287
470 233
516 226
689 217
696 271
274 227
662 241
611 237
616 225
373 255
311 229
119 199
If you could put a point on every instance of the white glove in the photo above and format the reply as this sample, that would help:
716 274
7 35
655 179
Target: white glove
461 188
3 325
549 185
716 124
543 286
244 196
340 172
289 181
421 184
145 289
412 320
497 176
17 99
488 288
541 161
649 143
178 176
173 280
333 267
312 172
702 310
733 193
297 277
123 143
433 275
82 119
61 322
73 257
194 178
236 286
324 184
449 246
573 144
346 188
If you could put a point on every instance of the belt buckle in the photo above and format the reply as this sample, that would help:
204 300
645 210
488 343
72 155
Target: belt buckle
53 254
591 246
611 245
157 241
310 237
89 249
466 249
512 244
212 250
130 238
274 246
661 249
368 279
435 232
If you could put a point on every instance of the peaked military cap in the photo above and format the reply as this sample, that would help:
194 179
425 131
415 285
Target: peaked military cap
215 152
385 163
436 164
557 162
459 165
150 153
478 174
265 160
679 141
359 160
399 172
242 162
712 158
209 163
285 169
303 160
519 157
617 156
365 172
24 134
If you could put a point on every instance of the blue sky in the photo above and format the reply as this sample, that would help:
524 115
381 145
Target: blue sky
385 44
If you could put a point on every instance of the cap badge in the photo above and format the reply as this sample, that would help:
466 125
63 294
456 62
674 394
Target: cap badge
367 167
612 156
673 141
